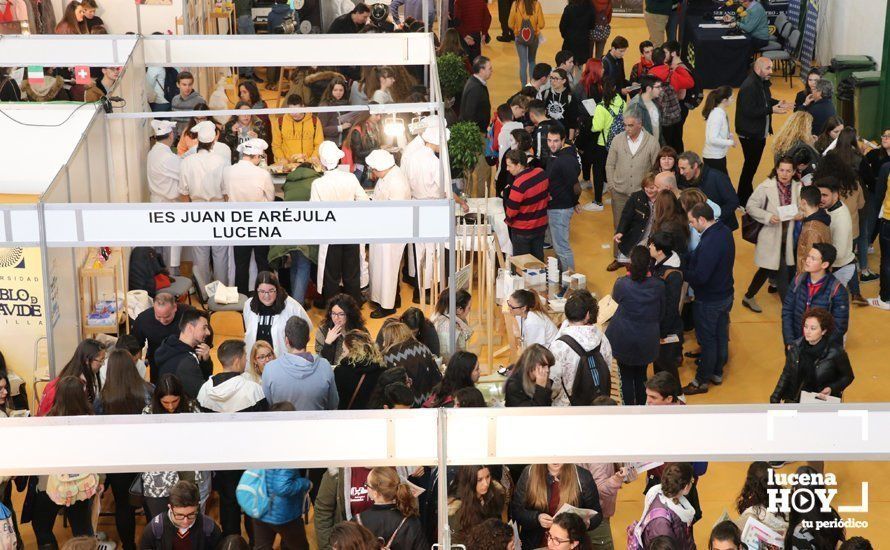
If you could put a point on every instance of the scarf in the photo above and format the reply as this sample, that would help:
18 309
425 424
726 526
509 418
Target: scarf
806 369
683 509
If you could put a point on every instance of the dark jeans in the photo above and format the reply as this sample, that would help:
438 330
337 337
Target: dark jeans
600 154
884 241
670 356
717 164
783 276
633 383
712 332
124 514
293 535
225 482
342 262
43 518
753 150
242 265
503 16
524 243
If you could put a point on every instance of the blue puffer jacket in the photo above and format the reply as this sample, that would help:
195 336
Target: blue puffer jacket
287 489
831 296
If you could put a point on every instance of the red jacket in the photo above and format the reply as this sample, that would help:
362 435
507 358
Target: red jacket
472 16
680 79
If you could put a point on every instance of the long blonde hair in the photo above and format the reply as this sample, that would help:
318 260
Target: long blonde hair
394 334
252 371
798 127
386 481
537 497
360 348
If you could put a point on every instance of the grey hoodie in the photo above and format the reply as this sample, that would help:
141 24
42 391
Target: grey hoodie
304 380
230 392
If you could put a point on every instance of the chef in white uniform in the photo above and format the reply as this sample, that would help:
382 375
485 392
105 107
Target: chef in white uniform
245 181
219 148
162 172
337 262
386 258
201 180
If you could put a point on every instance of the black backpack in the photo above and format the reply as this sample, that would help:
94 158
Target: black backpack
170 88
592 376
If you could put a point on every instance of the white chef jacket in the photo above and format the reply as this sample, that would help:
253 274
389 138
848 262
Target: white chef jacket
221 149
337 185
163 173
393 186
246 182
201 177
424 174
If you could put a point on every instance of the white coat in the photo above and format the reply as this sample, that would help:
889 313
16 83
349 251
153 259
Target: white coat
763 205
423 170
537 329
246 182
201 177
291 308
162 172
334 185
386 258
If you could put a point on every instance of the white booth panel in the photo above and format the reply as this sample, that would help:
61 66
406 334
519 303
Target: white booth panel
220 441
289 50
66 50
25 227
199 223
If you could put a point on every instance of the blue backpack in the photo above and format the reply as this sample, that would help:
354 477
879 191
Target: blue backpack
616 128
252 495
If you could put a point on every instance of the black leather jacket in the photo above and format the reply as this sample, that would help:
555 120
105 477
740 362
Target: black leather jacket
832 370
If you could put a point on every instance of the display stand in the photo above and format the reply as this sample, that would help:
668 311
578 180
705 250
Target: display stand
90 280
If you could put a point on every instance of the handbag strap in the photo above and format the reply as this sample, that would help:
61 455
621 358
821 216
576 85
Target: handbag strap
396 532
355 393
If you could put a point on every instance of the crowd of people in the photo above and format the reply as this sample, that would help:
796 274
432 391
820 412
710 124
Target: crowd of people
675 212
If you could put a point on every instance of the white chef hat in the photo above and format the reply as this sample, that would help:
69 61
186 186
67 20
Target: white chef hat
162 127
253 146
329 154
431 135
433 121
380 160
206 131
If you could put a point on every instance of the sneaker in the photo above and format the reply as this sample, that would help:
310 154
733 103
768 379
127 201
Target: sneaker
716 380
868 276
694 389
548 246
858 300
751 303
878 303
772 289
593 207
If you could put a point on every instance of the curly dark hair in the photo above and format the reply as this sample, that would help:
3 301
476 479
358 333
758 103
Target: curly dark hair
354 319
491 534
755 490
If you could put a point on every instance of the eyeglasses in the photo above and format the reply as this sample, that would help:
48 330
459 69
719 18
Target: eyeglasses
181 517
556 78
335 314
887 135
267 292
511 306
557 540
264 357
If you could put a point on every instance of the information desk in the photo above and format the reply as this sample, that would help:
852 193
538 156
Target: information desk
717 58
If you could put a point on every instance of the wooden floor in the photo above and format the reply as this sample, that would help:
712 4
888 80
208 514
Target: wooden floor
756 355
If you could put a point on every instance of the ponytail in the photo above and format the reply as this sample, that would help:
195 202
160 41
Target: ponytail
405 501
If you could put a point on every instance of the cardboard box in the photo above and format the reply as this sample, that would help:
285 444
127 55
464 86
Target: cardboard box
526 261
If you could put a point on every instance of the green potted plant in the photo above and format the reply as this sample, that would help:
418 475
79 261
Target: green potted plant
452 76
464 147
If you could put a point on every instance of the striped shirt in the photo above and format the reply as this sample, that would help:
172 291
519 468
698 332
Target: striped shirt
527 200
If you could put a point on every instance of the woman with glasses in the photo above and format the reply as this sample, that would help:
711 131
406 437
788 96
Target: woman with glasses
260 356
266 313
542 490
561 104
535 327
343 315
394 515
88 358
568 532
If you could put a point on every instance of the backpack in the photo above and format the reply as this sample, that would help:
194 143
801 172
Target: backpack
66 489
670 104
170 88
592 376
491 144
252 495
694 95
616 128
635 529
526 35
387 545
8 538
